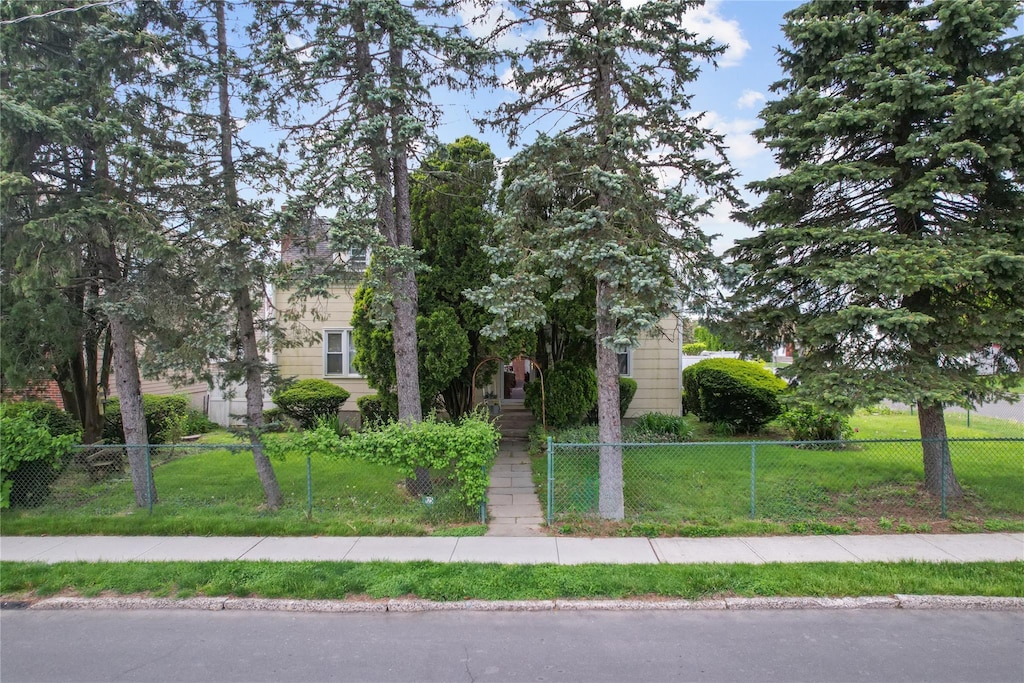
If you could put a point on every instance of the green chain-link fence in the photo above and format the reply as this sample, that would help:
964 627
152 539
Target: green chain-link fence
220 480
787 481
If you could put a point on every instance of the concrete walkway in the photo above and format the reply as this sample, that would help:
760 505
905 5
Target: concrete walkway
513 508
1002 547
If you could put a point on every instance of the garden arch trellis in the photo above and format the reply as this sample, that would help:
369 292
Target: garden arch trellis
543 400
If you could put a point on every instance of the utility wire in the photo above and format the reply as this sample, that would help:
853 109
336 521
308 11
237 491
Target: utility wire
62 10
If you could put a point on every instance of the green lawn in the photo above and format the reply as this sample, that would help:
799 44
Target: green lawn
706 487
215 491
461 581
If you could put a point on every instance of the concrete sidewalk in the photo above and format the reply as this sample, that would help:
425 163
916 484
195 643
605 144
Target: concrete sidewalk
1001 547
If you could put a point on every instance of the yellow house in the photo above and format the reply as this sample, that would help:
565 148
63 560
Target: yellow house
655 364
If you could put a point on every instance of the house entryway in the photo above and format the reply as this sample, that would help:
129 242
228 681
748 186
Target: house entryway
513 508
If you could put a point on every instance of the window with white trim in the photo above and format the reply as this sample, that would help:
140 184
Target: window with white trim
626 363
339 350
357 259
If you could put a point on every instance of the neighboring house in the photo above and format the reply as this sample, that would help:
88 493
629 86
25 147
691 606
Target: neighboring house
655 365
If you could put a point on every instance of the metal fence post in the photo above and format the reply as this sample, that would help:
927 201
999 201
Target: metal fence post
149 478
753 480
942 469
309 488
483 501
551 480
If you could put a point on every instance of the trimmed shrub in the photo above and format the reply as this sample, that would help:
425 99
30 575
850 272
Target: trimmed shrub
31 456
309 399
570 392
807 422
627 390
694 349
660 425
167 417
733 392
374 412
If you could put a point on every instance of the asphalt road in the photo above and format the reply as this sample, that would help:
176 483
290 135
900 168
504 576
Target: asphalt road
762 646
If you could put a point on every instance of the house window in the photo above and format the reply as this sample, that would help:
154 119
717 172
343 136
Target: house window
339 350
358 259
626 363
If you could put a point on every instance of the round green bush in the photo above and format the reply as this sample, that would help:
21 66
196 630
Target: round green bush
732 392
694 349
56 421
570 392
310 399
807 422
375 412
164 415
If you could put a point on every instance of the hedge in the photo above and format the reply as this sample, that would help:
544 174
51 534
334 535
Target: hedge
167 417
739 393
310 399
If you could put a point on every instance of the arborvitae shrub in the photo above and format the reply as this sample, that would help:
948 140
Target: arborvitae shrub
570 392
733 392
309 399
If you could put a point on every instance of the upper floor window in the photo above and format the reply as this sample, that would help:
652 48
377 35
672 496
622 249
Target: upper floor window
339 350
357 259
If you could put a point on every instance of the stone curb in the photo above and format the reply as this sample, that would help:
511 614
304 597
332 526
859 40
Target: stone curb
918 602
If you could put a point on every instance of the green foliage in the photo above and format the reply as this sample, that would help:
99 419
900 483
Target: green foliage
695 348
570 392
466 450
310 399
735 392
661 425
702 335
56 421
167 418
806 421
30 456
627 390
442 343
374 411
888 247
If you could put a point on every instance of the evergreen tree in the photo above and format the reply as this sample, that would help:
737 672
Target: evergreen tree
83 155
362 75
892 245
616 78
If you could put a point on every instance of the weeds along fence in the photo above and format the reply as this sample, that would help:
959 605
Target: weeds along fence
212 479
790 481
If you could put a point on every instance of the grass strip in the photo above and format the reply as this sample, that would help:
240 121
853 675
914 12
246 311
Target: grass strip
455 581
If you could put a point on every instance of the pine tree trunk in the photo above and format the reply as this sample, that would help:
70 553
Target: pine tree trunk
939 477
610 501
133 418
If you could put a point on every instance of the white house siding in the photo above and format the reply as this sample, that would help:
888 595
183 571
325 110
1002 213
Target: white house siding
655 367
307 361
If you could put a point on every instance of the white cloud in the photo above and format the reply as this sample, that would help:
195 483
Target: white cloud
739 140
750 99
706 22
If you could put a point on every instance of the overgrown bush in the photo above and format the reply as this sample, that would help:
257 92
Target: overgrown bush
309 399
627 390
56 421
374 412
694 349
807 422
167 419
660 425
570 392
465 450
30 456
735 392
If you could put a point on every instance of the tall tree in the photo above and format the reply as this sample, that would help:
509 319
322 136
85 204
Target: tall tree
892 246
83 155
365 69
227 252
616 77
451 201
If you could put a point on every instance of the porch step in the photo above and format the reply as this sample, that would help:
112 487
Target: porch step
515 422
